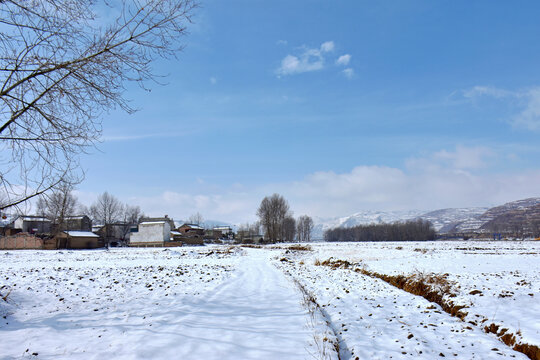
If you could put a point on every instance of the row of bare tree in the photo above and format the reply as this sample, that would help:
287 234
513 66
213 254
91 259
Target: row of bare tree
399 231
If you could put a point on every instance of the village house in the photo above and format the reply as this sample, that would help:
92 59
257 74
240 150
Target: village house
166 218
32 224
191 234
248 237
77 223
225 232
219 233
151 233
191 230
117 234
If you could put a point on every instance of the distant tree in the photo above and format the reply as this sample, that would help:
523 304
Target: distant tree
196 219
304 227
271 212
61 67
400 231
534 225
58 206
131 216
288 229
107 210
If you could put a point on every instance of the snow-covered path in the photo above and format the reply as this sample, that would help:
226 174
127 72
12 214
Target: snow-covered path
255 314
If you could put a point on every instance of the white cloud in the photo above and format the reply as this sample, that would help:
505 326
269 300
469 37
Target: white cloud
311 59
327 46
343 60
443 179
281 42
213 80
461 177
349 73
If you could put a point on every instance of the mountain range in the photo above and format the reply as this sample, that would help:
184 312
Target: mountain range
445 221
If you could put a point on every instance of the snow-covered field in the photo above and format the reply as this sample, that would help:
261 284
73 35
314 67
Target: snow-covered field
498 282
223 302
186 303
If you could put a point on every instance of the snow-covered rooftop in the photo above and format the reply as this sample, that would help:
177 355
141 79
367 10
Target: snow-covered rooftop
35 218
194 226
81 234
222 228
152 223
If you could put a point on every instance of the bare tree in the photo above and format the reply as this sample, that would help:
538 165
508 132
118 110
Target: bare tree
58 206
107 210
62 65
288 229
304 228
131 216
196 219
272 212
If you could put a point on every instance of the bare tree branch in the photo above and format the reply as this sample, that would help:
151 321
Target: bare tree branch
61 67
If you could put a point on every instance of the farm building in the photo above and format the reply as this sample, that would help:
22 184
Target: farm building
77 223
117 234
77 240
151 233
165 218
191 230
32 224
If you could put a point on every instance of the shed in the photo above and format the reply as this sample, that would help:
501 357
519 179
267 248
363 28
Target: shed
78 239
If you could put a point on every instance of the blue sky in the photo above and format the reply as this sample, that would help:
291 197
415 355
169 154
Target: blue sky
341 106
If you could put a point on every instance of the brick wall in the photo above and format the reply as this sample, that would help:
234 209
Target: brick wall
20 241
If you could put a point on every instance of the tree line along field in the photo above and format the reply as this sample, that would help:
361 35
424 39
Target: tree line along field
377 300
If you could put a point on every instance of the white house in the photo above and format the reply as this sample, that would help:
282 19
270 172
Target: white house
152 232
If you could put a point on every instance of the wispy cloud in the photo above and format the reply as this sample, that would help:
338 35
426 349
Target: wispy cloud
478 91
529 117
310 59
525 102
343 60
349 73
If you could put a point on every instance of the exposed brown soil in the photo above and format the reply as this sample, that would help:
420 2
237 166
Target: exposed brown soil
300 248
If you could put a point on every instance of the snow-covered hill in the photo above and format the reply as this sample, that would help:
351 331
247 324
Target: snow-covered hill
443 220
361 218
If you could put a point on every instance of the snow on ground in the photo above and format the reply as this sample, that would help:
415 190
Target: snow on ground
375 320
506 275
151 303
222 302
